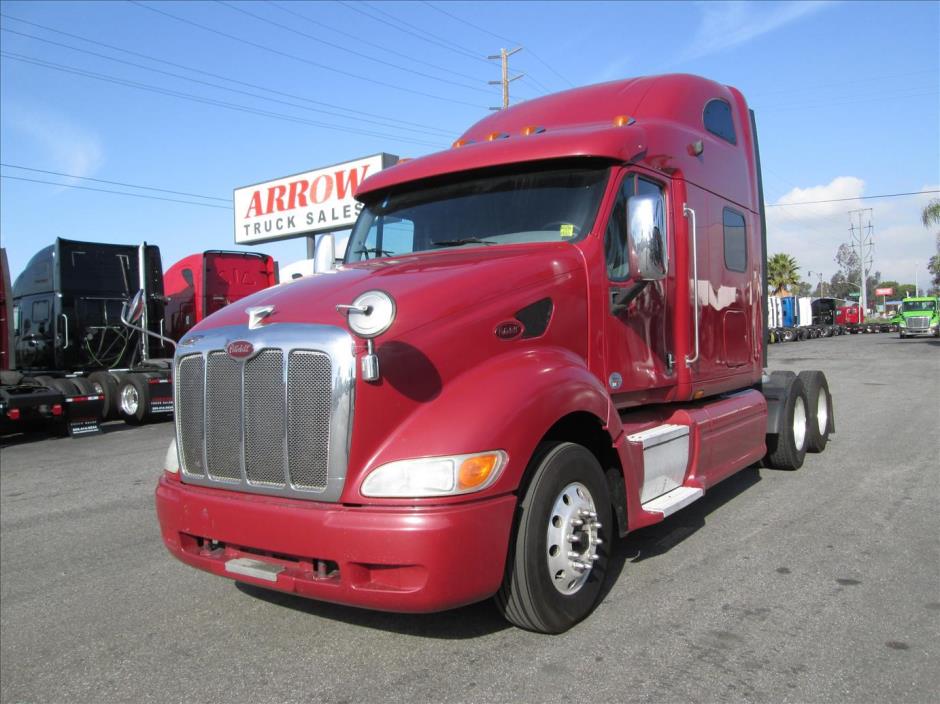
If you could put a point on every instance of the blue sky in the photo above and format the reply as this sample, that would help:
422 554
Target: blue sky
209 96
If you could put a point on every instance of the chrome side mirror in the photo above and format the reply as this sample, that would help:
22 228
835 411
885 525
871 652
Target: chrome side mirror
646 218
324 254
134 309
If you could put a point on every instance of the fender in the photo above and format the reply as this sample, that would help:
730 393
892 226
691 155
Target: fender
508 403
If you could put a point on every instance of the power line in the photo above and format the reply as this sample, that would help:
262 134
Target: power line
207 101
301 59
840 200
358 38
419 34
339 47
120 193
213 85
213 75
502 38
114 183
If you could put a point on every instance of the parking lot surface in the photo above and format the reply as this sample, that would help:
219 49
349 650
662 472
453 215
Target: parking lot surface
821 585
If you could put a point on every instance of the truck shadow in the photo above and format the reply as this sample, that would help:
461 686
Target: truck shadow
659 539
471 621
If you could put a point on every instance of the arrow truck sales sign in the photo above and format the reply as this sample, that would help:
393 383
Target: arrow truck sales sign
305 204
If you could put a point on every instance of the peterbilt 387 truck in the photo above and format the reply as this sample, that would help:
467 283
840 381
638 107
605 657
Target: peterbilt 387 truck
541 339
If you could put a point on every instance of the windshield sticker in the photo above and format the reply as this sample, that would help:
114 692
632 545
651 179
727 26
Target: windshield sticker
567 229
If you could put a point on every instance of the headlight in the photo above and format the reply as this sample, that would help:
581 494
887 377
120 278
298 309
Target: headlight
171 463
371 314
435 476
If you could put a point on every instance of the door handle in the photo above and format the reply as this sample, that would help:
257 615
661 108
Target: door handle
690 214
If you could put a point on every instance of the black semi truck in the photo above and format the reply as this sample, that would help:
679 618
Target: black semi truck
69 336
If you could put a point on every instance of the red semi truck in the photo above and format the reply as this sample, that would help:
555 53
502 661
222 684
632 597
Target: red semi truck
541 339
200 284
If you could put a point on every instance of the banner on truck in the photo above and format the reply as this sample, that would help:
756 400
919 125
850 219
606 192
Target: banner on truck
304 204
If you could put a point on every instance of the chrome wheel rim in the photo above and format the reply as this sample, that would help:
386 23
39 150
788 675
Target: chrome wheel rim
130 400
573 538
822 412
799 423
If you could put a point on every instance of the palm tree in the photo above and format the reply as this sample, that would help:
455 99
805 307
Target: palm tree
782 272
931 214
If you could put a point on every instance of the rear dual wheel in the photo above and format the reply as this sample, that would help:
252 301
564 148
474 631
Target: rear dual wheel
786 449
819 410
558 558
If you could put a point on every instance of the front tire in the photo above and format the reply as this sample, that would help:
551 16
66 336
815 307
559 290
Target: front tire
134 399
558 559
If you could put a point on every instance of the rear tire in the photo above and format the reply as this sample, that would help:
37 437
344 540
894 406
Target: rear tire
787 448
134 399
557 561
820 421
106 385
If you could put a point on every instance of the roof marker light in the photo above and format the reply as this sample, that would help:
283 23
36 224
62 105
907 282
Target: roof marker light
532 129
460 143
493 136
623 121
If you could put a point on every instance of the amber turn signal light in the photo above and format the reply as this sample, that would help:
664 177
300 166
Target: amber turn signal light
474 471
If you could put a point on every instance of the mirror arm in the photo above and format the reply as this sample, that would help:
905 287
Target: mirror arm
620 299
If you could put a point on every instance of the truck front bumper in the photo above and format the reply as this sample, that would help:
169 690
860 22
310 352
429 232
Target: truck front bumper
408 559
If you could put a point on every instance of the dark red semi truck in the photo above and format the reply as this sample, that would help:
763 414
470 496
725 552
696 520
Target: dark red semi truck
200 284
541 339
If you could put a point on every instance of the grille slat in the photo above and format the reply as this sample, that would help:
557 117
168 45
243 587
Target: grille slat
918 323
264 418
189 413
310 397
223 417
275 423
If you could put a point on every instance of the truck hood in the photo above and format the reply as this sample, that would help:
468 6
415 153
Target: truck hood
426 287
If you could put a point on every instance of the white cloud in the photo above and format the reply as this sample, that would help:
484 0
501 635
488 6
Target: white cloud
58 143
813 233
725 25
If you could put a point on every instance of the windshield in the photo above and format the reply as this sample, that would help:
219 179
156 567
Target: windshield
545 205
908 306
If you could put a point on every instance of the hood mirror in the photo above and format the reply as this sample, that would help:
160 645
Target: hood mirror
134 309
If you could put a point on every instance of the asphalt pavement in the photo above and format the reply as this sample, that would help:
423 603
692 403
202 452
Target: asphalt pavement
821 585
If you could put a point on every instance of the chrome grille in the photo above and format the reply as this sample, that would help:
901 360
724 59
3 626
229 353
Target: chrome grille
276 423
918 323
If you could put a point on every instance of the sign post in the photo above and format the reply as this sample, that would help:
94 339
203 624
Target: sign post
884 293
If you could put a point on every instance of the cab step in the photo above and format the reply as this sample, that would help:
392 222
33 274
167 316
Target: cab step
672 501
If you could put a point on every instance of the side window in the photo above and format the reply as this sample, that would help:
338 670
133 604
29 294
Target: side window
735 237
616 244
40 312
718 120
615 240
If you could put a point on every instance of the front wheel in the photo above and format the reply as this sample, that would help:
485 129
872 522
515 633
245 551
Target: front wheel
558 558
134 399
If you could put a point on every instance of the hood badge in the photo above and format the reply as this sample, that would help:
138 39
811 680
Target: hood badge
239 349
258 315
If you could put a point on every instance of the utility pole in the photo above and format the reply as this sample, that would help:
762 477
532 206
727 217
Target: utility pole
506 80
862 240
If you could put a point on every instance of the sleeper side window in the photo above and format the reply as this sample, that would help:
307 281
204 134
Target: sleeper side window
718 120
735 240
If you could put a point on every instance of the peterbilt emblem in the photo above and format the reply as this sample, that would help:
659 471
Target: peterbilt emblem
257 315
239 349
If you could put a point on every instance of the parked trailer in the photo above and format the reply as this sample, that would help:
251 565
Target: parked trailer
200 284
69 334
536 344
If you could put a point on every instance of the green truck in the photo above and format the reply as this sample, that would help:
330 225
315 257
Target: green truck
919 315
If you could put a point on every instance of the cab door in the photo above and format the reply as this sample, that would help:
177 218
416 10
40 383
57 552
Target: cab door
640 354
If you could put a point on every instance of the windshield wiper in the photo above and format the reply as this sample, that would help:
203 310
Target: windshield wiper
461 242
373 250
